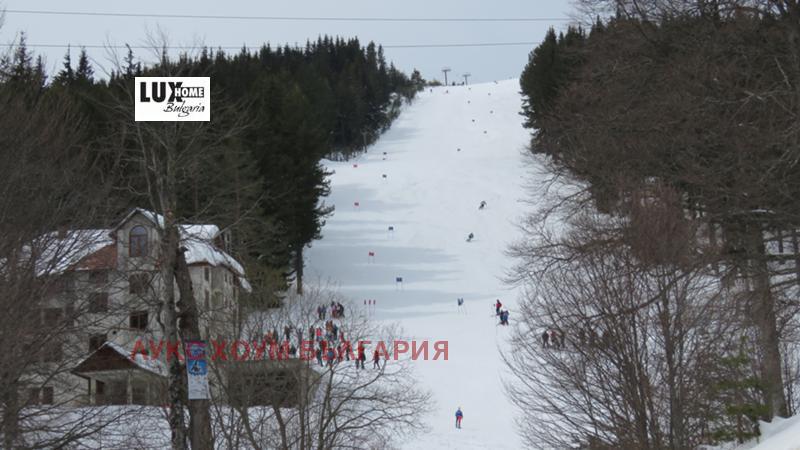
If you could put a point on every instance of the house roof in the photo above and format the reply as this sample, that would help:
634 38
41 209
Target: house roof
58 252
111 356
198 239
95 249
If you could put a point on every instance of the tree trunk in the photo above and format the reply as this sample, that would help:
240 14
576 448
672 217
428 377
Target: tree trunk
10 424
298 269
177 386
765 321
199 416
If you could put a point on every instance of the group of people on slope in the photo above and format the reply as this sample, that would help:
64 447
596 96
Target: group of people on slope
336 311
553 339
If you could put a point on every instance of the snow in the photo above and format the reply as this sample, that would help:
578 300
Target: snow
430 195
780 434
149 364
202 249
60 253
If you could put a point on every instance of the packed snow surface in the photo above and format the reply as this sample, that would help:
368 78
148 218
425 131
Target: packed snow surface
451 149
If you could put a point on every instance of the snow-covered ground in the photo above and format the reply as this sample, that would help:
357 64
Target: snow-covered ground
780 434
430 195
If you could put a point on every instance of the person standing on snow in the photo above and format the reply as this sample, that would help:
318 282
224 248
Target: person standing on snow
376 360
497 307
545 338
470 237
482 205
362 357
459 416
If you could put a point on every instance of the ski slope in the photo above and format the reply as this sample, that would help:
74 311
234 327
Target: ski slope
430 195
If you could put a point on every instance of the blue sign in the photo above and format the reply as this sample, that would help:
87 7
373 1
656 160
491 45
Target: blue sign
197 367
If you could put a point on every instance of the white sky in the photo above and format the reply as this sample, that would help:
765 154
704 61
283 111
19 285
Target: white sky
484 63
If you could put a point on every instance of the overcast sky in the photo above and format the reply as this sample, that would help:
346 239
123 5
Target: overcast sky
484 63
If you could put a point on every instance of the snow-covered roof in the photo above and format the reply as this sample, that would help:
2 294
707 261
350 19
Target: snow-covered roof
198 240
199 243
55 253
143 362
156 219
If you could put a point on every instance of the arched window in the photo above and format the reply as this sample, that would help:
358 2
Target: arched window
138 241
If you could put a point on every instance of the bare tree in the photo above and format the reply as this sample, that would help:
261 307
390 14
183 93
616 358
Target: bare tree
636 327
52 213
292 399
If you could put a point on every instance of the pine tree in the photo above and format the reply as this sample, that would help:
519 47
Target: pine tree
65 76
84 74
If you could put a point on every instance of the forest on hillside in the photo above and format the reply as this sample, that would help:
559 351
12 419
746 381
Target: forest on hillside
677 279
254 170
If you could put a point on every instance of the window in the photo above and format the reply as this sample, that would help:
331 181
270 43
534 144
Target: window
98 277
138 393
207 273
33 396
96 341
100 393
47 395
138 320
98 302
138 283
138 242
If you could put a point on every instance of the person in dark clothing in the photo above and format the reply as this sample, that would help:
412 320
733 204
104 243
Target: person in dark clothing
470 237
554 339
376 360
319 355
545 339
362 357
482 205
331 355
497 307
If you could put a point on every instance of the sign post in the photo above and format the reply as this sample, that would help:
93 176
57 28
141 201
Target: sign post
197 370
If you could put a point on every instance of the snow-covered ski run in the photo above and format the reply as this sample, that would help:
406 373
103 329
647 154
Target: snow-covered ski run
452 149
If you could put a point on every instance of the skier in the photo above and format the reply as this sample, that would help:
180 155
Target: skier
470 237
482 205
554 339
459 416
460 302
362 357
331 355
545 339
376 360
497 307
504 317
